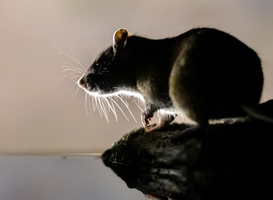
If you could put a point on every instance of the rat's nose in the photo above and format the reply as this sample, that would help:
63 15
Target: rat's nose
82 82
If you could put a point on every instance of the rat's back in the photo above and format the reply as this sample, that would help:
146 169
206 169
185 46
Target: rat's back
214 75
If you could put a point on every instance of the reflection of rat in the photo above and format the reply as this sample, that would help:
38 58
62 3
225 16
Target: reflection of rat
205 73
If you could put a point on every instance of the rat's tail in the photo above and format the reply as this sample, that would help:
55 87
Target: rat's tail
262 112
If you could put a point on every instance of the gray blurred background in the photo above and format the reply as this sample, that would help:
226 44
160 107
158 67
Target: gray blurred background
40 115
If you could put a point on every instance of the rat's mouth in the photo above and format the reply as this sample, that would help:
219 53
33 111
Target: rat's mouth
96 84
88 85
88 88
82 83
91 88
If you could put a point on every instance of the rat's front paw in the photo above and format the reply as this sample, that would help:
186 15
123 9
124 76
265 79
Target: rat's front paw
146 117
164 121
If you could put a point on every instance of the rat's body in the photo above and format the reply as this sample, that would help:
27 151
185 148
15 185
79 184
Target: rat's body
205 73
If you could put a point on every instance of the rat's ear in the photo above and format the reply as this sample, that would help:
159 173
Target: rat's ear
120 38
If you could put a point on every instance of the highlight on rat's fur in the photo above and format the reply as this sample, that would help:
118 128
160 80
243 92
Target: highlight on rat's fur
105 104
205 73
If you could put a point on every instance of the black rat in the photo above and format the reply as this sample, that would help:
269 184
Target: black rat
204 73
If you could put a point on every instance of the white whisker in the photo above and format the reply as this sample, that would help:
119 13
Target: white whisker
77 90
138 106
75 78
119 108
63 77
68 69
114 110
104 109
71 57
75 93
98 106
111 108
102 102
76 58
73 66
93 103
90 106
127 106
98 50
86 96
74 71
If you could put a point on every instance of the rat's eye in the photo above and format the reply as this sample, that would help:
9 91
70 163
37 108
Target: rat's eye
100 67
97 66
100 63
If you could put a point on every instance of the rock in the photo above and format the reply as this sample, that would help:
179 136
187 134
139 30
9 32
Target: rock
227 161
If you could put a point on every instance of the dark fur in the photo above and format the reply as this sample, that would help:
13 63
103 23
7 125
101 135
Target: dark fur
206 73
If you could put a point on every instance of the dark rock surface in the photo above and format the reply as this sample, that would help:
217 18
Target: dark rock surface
227 161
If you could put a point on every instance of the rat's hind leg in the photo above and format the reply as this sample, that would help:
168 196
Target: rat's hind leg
190 132
192 91
189 98
196 111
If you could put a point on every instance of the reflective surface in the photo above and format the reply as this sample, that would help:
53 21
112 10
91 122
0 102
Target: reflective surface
62 178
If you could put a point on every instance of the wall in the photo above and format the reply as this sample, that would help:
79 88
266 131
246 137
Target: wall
40 115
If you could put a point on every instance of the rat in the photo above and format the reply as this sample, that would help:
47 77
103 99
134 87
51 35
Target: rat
205 73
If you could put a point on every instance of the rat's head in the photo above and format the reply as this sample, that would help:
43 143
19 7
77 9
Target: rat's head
111 70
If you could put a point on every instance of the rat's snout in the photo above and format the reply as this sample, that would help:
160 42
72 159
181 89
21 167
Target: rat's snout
82 82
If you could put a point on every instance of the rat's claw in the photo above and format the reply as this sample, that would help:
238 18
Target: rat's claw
149 128
146 117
